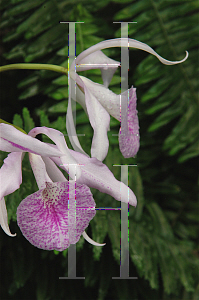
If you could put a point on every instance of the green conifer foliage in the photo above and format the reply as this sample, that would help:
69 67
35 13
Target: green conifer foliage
163 228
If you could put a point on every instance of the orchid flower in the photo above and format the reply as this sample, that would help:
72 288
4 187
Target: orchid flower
99 102
44 216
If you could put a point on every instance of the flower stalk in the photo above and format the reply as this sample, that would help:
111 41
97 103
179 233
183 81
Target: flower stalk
32 66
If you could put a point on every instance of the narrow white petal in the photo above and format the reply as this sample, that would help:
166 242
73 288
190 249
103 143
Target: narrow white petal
53 171
121 42
39 170
70 126
98 60
77 94
88 239
10 173
107 75
109 100
4 218
100 120
58 138
13 140
95 174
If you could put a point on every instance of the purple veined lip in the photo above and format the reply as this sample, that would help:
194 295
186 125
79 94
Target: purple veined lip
46 221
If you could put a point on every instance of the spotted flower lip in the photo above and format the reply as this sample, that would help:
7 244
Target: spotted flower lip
98 98
55 216
48 222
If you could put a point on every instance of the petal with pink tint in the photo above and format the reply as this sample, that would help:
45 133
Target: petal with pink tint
10 174
58 138
122 42
97 175
77 95
4 218
129 139
89 240
70 126
43 217
109 100
98 60
53 171
99 119
39 170
13 140
108 67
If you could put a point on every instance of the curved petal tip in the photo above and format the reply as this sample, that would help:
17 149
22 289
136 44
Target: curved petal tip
186 56
4 218
88 239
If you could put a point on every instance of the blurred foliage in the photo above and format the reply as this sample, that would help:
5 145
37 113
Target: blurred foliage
163 227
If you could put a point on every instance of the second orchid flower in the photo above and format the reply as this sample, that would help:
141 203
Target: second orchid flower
99 102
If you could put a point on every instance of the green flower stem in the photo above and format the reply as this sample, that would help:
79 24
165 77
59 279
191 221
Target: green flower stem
26 66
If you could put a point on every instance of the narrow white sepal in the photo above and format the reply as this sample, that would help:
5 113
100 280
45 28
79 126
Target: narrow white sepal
4 218
122 42
88 239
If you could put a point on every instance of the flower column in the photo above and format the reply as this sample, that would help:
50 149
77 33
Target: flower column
71 133
124 104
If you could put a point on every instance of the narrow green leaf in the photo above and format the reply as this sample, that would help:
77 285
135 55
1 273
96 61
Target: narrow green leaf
39 13
165 117
59 108
157 89
129 11
23 7
190 152
62 80
28 121
59 94
17 121
30 92
161 224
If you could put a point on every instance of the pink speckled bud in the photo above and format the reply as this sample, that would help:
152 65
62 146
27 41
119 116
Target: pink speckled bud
129 140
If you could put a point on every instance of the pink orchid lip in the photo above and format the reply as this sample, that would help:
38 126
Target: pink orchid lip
46 221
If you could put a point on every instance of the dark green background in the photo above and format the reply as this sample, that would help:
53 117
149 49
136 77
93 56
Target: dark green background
164 226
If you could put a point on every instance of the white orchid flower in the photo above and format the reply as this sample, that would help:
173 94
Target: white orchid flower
99 102
44 217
